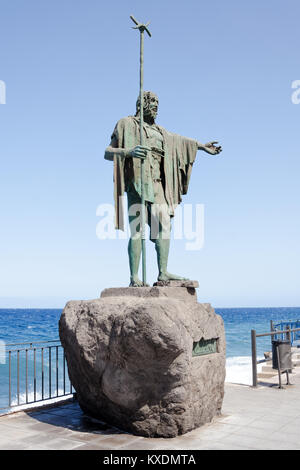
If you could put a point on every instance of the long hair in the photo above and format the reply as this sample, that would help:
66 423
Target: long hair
146 95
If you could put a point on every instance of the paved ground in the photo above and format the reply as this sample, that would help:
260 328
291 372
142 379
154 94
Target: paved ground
262 418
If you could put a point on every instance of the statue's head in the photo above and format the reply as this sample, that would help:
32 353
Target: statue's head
150 105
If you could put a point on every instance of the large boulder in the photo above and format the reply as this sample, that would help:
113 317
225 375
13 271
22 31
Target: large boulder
132 358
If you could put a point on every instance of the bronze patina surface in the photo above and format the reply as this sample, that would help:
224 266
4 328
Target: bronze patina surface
153 166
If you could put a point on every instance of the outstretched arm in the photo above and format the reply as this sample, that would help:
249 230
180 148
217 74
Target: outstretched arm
210 148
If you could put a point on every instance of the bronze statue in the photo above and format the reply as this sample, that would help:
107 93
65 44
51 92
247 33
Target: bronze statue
168 160
153 166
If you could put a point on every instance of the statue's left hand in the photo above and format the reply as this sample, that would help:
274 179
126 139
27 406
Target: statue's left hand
212 149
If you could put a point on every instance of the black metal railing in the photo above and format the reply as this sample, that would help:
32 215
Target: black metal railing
33 372
284 333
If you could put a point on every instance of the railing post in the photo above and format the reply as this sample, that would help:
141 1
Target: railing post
288 333
9 380
279 366
57 371
50 371
254 358
289 338
26 352
18 376
64 371
42 357
272 329
34 374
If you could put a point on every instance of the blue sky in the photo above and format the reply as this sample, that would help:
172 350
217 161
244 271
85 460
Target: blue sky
222 70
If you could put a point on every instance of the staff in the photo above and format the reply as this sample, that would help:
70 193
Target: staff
142 27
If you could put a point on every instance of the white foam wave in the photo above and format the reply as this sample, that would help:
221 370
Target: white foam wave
239 369
38 402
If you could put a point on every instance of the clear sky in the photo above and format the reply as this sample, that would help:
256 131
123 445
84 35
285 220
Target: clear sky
223 70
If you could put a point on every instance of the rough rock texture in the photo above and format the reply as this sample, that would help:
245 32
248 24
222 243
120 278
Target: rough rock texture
194 284
130 360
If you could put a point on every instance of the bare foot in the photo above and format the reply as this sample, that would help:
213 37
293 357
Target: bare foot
171 277
136 282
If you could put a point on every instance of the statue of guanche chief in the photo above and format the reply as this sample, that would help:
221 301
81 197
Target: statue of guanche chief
168 162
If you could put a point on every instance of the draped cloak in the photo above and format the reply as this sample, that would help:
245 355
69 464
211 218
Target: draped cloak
179 156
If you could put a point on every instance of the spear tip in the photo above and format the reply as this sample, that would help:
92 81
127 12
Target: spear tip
140 26
133 19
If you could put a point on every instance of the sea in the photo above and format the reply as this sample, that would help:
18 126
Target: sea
37 325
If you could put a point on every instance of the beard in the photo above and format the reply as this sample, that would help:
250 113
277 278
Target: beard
150 114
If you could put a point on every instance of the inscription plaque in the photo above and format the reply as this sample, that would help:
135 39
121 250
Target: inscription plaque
204 347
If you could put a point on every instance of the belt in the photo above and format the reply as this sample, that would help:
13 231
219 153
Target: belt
158 151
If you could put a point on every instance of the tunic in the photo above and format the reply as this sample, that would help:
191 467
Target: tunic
179 154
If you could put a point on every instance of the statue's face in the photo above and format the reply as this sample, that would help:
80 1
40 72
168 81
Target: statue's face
151 107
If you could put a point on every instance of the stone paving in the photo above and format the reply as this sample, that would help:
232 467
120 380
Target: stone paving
261 418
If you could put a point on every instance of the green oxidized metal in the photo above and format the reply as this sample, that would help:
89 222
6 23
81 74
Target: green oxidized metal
154 167
204 346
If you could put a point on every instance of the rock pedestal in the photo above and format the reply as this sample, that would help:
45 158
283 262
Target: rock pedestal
149 360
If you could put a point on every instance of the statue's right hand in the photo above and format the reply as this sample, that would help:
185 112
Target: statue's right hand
139 152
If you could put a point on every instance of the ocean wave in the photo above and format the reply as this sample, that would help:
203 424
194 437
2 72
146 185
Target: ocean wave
239 369
39 402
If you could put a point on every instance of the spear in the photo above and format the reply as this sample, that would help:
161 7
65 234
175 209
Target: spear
142 27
